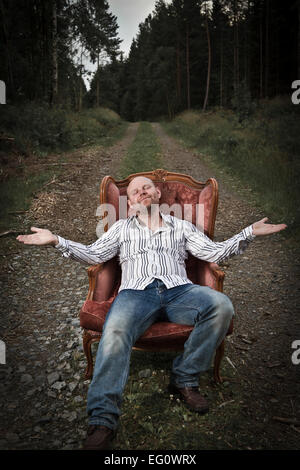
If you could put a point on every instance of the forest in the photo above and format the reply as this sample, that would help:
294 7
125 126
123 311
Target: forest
237 59
209 89
187 54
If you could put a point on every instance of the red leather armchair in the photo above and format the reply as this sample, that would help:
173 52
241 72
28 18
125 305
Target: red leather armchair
104 279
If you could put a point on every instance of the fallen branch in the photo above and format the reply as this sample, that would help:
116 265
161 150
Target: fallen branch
226 403
294 428
17 212
3 137
8 232
47 184
287 420
230 362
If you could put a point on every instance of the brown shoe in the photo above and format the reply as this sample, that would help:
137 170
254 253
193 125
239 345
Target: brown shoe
98 438
191 397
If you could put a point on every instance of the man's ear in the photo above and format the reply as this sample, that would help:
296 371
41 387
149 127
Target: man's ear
158 191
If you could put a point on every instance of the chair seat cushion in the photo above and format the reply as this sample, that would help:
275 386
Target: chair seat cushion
160 335
166 335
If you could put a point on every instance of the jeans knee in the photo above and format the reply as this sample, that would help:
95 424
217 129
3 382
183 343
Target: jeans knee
228 310
115 339
225 308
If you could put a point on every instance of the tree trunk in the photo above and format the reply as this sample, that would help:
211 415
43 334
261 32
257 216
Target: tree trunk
221 70
236 72
44 54
267 49
178 73
54 81
168 105
98 83
298 58
261 54
8 54
188 67
247 47
80 84
208 65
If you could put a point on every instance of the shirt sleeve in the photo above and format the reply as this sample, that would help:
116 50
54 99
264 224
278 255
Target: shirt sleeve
202 247
103 249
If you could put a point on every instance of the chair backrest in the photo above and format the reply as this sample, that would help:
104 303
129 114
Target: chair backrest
198 200
181 196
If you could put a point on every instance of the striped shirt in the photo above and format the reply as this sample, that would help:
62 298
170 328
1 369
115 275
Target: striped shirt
145 255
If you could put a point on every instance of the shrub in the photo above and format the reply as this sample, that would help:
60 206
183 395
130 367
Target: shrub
263 152
39 129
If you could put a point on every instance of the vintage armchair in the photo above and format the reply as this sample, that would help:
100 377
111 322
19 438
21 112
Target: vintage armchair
104 279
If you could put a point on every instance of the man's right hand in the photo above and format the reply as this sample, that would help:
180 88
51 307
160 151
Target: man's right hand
40 237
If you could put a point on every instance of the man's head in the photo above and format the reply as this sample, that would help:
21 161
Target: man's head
142 191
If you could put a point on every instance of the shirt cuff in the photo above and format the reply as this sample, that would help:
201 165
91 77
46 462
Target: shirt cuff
248 233
62 243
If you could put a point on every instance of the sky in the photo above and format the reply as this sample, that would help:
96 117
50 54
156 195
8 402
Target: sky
129 13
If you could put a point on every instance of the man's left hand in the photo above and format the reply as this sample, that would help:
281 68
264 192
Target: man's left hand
262 228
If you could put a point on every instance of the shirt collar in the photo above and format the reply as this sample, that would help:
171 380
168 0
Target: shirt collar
166 218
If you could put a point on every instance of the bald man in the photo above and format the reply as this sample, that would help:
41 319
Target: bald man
152 248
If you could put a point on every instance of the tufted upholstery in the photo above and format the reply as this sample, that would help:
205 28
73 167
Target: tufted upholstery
193 199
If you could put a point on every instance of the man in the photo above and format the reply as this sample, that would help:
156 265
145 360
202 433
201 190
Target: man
152 248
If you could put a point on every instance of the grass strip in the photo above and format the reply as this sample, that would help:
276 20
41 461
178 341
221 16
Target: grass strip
16 194
259 155
144 154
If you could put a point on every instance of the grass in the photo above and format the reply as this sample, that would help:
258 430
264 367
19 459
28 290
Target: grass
16 194
143 154
153 419
261 153
39 131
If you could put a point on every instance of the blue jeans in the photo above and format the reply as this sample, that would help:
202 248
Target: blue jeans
131 313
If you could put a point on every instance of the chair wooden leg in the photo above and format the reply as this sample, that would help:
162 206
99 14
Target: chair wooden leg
87 347
218 358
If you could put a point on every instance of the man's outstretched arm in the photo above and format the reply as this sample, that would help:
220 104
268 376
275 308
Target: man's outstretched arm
41 237
103 249
202 247
262 228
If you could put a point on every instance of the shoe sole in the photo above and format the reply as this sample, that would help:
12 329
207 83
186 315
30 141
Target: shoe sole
174 391
107 447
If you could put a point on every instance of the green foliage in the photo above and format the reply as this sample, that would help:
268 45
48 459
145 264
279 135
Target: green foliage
38 129
16 194
261 153
143 154
33 33
105 117
241 102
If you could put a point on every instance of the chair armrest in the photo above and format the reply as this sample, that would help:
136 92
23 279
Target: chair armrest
93 271
218 274
210 274
104 280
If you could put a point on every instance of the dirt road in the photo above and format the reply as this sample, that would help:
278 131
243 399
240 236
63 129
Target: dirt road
43 393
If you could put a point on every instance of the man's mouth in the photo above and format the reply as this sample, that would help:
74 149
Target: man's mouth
146 197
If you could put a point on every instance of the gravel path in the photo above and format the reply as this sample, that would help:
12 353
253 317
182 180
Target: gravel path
43 394
263 284
41 385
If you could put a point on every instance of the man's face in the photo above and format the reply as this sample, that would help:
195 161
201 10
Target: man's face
141 191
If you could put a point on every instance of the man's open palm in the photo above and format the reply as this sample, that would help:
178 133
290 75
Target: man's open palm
262 228
40 237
